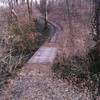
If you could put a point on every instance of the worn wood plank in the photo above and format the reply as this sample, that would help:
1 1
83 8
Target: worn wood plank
44 55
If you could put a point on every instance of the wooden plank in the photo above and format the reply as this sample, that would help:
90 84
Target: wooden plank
44 55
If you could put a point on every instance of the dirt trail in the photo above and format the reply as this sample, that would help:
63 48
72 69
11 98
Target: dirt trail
41 85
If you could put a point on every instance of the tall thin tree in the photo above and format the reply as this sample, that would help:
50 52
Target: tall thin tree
29 12
69 21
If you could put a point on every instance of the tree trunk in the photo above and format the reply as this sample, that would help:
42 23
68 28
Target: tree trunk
69 22
29 13
45 15
10 12
95 53
16 2
97 17
23 2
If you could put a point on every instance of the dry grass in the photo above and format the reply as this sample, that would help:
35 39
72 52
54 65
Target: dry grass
17 43
76 71
74 46
78 40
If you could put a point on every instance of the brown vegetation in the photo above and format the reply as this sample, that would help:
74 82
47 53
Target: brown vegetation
77 55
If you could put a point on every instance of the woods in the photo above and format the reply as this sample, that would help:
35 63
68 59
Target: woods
72 27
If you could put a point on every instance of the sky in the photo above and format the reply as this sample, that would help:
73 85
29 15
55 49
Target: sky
1 4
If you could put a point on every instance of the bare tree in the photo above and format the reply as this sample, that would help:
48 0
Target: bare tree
16 2
69 20
29 5
43 9
95 52
97 17
10 12
97 49
42 6
23 1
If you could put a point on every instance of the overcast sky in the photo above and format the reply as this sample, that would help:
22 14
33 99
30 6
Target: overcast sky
1 4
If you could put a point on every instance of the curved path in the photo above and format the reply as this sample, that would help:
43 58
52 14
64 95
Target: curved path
56 29
36 81
46 55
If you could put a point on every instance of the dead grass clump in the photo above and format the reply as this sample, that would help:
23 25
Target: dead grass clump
74 69
71 66
20 43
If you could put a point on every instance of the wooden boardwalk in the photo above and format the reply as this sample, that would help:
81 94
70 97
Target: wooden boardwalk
45 55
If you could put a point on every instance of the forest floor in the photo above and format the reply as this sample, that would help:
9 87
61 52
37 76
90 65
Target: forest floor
38 82
41 84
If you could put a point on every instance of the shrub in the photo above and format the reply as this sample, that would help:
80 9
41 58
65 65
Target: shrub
72 66
77 71
23 38
21 43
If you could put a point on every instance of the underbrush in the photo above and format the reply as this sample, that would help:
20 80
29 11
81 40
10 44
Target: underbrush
71 67
19 45
76 70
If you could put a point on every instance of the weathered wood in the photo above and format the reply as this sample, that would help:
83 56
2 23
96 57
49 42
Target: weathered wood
44 55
